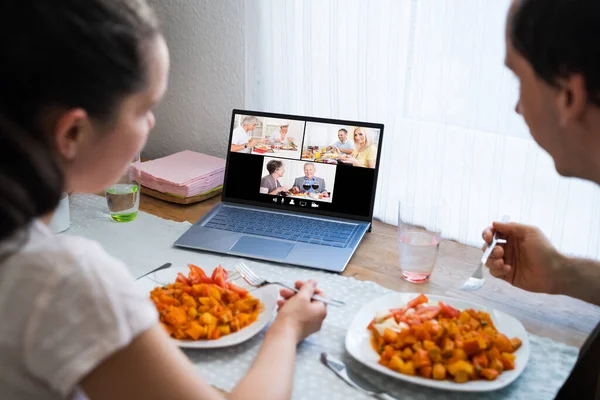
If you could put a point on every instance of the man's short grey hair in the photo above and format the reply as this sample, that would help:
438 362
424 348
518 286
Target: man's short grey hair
249 120
309 163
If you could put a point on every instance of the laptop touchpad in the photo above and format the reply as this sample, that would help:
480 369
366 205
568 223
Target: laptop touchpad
254 246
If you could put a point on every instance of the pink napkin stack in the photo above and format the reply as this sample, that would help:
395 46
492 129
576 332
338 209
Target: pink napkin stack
184 174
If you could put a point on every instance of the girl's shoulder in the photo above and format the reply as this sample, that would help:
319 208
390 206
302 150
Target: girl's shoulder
45 253
76 306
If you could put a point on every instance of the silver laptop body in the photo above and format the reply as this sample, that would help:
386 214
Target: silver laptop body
284 229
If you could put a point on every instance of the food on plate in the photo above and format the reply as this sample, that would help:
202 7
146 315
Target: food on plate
307 154
326 161
295 192
262 147
331 155
199 307
288 147
314 195
437 341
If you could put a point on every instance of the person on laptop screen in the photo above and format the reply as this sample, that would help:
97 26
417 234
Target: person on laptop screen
343 145
269 184
365 152
310 183
242 142
280 135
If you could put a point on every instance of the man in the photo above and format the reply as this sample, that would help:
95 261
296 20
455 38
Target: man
242 142
343 145
552 51
310 179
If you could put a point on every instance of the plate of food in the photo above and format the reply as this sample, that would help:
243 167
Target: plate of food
202 310
263 147
326 161
439 342
331 155
288 147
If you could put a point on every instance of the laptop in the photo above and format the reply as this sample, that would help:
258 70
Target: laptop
296 191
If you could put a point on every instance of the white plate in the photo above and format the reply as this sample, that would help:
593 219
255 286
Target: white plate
359 346
268 295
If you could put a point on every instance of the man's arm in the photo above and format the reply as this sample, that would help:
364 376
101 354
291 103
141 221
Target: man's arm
529 261
579 278
237 147
347 151
322 185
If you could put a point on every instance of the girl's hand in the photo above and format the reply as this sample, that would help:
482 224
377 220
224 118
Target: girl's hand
298 309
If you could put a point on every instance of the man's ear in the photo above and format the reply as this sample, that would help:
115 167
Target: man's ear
573 99
69 132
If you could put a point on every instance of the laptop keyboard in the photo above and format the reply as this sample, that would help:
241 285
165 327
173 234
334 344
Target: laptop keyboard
282 226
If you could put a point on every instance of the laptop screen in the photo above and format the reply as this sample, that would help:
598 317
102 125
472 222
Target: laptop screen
304 164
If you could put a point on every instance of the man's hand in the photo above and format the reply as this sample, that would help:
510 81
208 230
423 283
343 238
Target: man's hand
527 260
251 144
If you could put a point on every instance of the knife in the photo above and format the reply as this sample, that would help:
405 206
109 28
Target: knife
353 379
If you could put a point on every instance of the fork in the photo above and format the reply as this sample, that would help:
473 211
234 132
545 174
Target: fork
164 266
257 281
476 280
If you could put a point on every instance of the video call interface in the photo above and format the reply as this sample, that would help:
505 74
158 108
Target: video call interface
306 165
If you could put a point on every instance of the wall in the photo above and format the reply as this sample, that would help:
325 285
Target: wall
207 44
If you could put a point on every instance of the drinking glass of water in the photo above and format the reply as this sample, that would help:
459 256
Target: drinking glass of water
419 236
123 197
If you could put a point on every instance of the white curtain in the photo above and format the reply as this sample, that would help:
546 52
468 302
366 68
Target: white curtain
432 71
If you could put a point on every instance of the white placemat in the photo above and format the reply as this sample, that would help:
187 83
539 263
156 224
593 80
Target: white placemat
146 243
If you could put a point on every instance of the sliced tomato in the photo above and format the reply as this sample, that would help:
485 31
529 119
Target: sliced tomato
413 320
427 313
197 275
241 291
370 326
220 271
449 311
397 313
219 277
417 300
181 278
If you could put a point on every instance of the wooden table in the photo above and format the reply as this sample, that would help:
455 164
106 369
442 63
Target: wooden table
558 317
